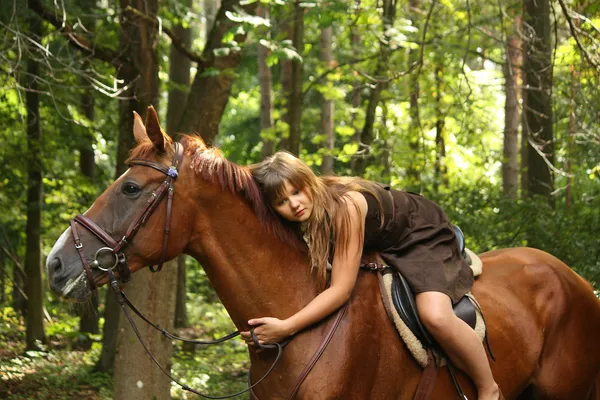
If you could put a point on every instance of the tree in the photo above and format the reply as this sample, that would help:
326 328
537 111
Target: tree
265 78
511 70
33 259
377 86
537 68
294 100
179 78
327 104
132 365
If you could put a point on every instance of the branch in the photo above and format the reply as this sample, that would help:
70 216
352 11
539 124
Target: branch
79 42
6 274
175 40
336 67
576 37
18 266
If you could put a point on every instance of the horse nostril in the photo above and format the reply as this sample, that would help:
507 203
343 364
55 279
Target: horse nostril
54 266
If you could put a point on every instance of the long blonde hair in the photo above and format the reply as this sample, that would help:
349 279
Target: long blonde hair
328 194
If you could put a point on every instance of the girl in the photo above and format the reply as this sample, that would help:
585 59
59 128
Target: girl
342 217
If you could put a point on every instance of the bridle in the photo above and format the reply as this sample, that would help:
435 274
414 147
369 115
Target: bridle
166 188
120 262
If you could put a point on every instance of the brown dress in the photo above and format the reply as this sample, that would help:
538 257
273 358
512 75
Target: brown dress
418 240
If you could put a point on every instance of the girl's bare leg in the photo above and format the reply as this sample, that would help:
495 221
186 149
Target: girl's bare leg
458 340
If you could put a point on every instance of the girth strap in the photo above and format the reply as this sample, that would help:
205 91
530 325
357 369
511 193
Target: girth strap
427 382
316 356
318 353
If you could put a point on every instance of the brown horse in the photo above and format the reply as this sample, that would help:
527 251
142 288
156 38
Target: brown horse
543 319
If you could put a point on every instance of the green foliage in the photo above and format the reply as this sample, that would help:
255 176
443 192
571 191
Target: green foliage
56 372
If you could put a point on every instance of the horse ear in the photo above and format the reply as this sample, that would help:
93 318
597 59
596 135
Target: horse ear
139 130
155 132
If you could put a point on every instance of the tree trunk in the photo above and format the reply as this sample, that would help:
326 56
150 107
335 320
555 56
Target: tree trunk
179 73
181 317
572 130
356 98
414 132
3 272
294 112
33 256
367 134
125 143
571 141
135 375
440 170
512 68
265 77
210 12
209 93
286 83
88 312
538 109
87 161
327 105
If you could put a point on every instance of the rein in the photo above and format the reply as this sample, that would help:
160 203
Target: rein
120 262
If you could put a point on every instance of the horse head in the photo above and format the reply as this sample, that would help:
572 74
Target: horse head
216 214
113 213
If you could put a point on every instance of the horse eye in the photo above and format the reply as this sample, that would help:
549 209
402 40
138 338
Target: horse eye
130 189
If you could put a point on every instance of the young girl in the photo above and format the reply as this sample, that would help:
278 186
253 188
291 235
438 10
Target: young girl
341 218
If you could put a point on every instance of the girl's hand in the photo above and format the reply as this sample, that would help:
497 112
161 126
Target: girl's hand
268 330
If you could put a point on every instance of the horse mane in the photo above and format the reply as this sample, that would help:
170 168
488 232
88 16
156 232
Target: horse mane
211 165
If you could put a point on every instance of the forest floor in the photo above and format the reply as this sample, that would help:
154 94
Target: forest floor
63 368
59 370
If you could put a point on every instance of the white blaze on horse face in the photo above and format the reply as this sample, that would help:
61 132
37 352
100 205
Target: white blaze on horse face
73 283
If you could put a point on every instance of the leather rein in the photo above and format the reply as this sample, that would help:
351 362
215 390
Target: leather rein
115 248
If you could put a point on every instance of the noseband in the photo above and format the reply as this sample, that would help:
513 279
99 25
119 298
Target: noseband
116 248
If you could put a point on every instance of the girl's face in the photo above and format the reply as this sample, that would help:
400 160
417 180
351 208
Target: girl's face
295 205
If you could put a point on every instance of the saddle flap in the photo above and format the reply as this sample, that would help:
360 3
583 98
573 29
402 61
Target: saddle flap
404 301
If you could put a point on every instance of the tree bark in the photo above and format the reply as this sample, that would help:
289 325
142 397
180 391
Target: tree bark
286 83
414 132
179 73
512 68
88 312
209 93
265 77
181 317
135 375
538 109
356 98
33 257
87 161
441 175
367 134
3 273
294 101
327 105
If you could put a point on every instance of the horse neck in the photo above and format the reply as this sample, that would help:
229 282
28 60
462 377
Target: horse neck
254 273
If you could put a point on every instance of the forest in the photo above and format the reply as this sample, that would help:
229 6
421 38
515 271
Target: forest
488 108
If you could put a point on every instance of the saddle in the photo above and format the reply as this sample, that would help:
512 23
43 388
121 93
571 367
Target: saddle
400 305
403 300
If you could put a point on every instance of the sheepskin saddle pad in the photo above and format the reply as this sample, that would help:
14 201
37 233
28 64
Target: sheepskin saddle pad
400 305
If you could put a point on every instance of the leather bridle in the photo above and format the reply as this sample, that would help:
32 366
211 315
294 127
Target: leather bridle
116 249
